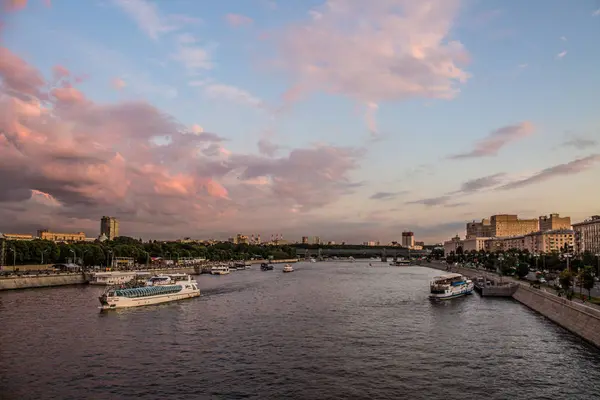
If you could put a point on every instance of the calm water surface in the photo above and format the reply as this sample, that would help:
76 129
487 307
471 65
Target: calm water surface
326 331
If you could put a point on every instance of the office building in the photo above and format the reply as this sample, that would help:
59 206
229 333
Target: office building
109 226
554 222
45 234
408 239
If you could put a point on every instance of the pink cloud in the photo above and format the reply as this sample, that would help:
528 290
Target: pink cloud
378 51
496 140
82 159
13 5
118 83
236 20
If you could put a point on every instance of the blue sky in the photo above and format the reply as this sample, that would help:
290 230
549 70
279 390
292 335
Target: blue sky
533 61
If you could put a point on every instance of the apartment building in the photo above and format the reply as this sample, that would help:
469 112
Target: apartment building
587 235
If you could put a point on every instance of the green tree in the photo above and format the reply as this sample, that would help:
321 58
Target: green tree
522 269
586 279
566 279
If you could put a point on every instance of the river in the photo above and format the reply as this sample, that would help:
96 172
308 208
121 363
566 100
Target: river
326 331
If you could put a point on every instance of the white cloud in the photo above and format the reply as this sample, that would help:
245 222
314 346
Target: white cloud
596 13
150 21
561 54
193 58
233 93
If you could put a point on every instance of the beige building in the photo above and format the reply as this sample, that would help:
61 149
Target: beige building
61 237
587 235
554 222
109 226
408 239
468 244
16 236
535 242
479 229
505 225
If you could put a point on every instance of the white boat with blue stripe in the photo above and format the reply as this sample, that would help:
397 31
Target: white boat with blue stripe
157 289
449 286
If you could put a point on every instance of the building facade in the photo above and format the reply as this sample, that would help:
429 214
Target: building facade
506 225
61 237
16 236
479 229
304 239
408 239
109 226
587 235
554 222
535 242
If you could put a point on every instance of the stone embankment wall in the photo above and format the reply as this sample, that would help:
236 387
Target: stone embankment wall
37 281
578 318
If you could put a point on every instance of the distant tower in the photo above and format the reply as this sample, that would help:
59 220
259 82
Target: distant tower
109 226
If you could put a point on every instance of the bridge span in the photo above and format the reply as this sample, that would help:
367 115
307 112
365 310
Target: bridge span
380 252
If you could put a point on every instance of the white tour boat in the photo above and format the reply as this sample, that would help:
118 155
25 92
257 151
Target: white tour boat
288 268
220 270
449 286
158 289
112 277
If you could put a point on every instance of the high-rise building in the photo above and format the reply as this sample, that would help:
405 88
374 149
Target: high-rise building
304 239
504 225
408 239
317 240
587 235
554 222
109 227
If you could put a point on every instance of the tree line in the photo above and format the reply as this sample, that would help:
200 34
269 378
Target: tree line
22 252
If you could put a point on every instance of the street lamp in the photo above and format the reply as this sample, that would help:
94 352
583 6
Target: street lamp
14 256
43 252
147 257
74 256
108 258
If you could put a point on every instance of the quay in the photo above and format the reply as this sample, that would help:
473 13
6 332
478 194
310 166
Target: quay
46 278
581 319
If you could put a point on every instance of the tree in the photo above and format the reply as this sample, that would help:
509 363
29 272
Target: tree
586 279
566 279
522 269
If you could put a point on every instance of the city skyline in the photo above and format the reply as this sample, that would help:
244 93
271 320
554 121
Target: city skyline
183 120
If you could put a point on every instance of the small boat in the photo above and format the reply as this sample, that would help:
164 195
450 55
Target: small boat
112 277
288 268
220 270
266 267
158 289
401 263
312 260
449 286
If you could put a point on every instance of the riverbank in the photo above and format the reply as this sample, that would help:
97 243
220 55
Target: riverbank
48 279
582 319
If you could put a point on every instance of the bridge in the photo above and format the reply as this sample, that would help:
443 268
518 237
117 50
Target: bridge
359 252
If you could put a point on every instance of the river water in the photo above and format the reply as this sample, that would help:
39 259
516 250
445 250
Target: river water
326 331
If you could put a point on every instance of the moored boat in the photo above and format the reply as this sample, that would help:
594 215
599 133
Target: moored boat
288 268
266 267
449 286
157 289
220 270
112 277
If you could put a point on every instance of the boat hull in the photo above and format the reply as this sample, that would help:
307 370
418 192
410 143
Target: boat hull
468 289
220 272
126 302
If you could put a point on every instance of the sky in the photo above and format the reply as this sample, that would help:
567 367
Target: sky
351 120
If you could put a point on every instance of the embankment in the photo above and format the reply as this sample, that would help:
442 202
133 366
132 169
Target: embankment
580 319
37 281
